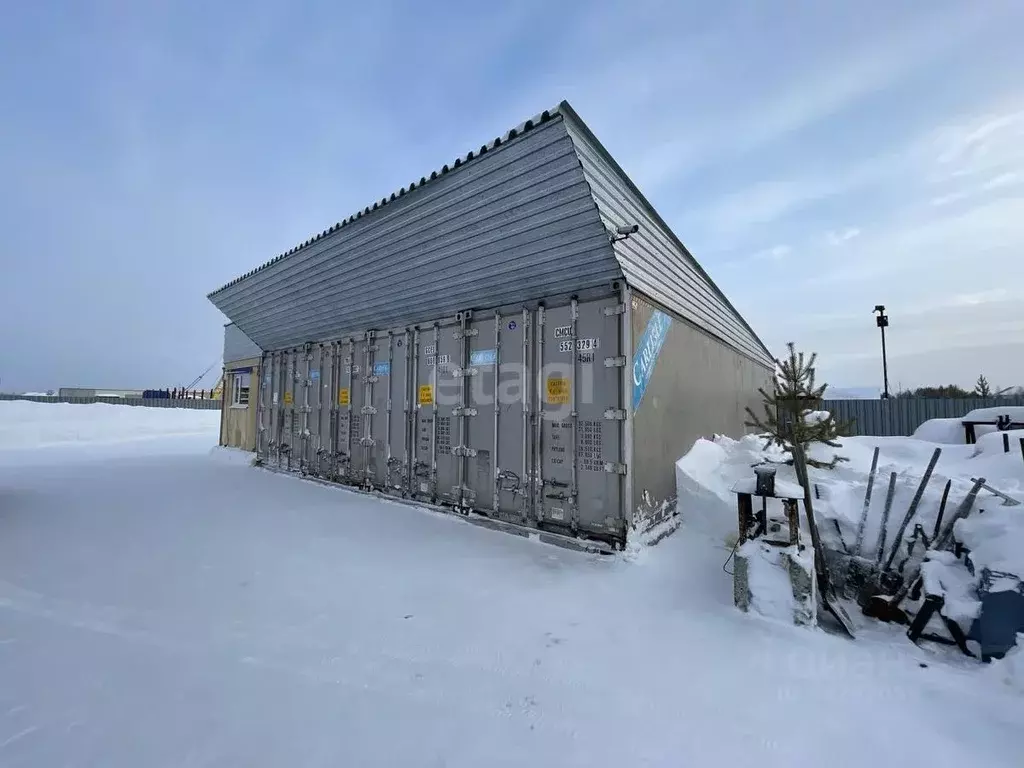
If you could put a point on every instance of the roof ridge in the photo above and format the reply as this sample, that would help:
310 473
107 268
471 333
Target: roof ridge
460 161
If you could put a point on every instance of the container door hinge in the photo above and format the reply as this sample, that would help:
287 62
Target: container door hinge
460 411
462 450
615 362
618 309
368 409
615 414
615 468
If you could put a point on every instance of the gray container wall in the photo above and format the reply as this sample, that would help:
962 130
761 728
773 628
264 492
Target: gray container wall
513 414
238 346
900 416
509 225
697 387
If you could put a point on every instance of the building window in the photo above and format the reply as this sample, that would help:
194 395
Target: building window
240 391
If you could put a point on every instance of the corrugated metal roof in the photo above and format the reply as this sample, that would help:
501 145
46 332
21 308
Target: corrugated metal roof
654 260
512 133
522 218
512 224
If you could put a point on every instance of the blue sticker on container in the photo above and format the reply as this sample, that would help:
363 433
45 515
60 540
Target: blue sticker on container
382 369
646 353
483 357
512 325
314 374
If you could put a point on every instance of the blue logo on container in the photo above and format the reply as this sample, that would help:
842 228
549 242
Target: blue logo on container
483 357
646 353
382 369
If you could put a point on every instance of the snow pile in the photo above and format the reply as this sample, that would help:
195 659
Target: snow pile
25 424
948 431
1009 670
1014 412
992 442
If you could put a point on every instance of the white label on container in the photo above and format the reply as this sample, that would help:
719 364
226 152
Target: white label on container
563 331
582 345
557 513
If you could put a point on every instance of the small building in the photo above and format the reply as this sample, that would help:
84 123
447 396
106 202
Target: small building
238 406
518 334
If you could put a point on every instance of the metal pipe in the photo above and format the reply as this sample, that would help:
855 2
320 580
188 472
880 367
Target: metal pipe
859 543
495 464
912 510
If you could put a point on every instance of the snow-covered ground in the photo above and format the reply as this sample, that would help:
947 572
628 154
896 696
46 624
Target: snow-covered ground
164 605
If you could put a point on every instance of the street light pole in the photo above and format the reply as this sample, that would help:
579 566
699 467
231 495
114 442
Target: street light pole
882 321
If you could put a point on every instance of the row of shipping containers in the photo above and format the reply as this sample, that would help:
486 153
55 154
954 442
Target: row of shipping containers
519 415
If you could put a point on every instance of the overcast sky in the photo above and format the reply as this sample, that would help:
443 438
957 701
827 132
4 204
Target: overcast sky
817 158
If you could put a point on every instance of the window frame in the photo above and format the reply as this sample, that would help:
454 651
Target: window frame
240 387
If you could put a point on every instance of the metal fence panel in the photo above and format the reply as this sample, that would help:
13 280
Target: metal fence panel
900 416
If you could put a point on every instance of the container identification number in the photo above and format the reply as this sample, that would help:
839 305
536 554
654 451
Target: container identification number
582 345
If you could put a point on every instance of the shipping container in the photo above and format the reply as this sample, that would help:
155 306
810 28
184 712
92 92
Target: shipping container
519 337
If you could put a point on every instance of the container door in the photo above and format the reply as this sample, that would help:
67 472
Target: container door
496 472
277 407
291 443
392 400
348 423
317 404
580 468
435 472
357 417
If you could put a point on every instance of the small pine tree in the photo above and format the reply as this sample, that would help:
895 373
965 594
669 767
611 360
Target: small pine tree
785 422
981 388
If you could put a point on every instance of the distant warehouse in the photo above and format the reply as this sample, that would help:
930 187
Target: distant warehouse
518 335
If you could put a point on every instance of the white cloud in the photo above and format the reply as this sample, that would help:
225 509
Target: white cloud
841 236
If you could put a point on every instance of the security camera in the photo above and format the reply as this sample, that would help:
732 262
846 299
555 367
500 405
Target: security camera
627 229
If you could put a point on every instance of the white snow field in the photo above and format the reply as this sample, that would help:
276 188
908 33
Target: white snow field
162 605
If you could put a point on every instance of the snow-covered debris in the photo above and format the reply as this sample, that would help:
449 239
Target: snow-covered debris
946 431
992 443
948 577
1015 412
783 488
